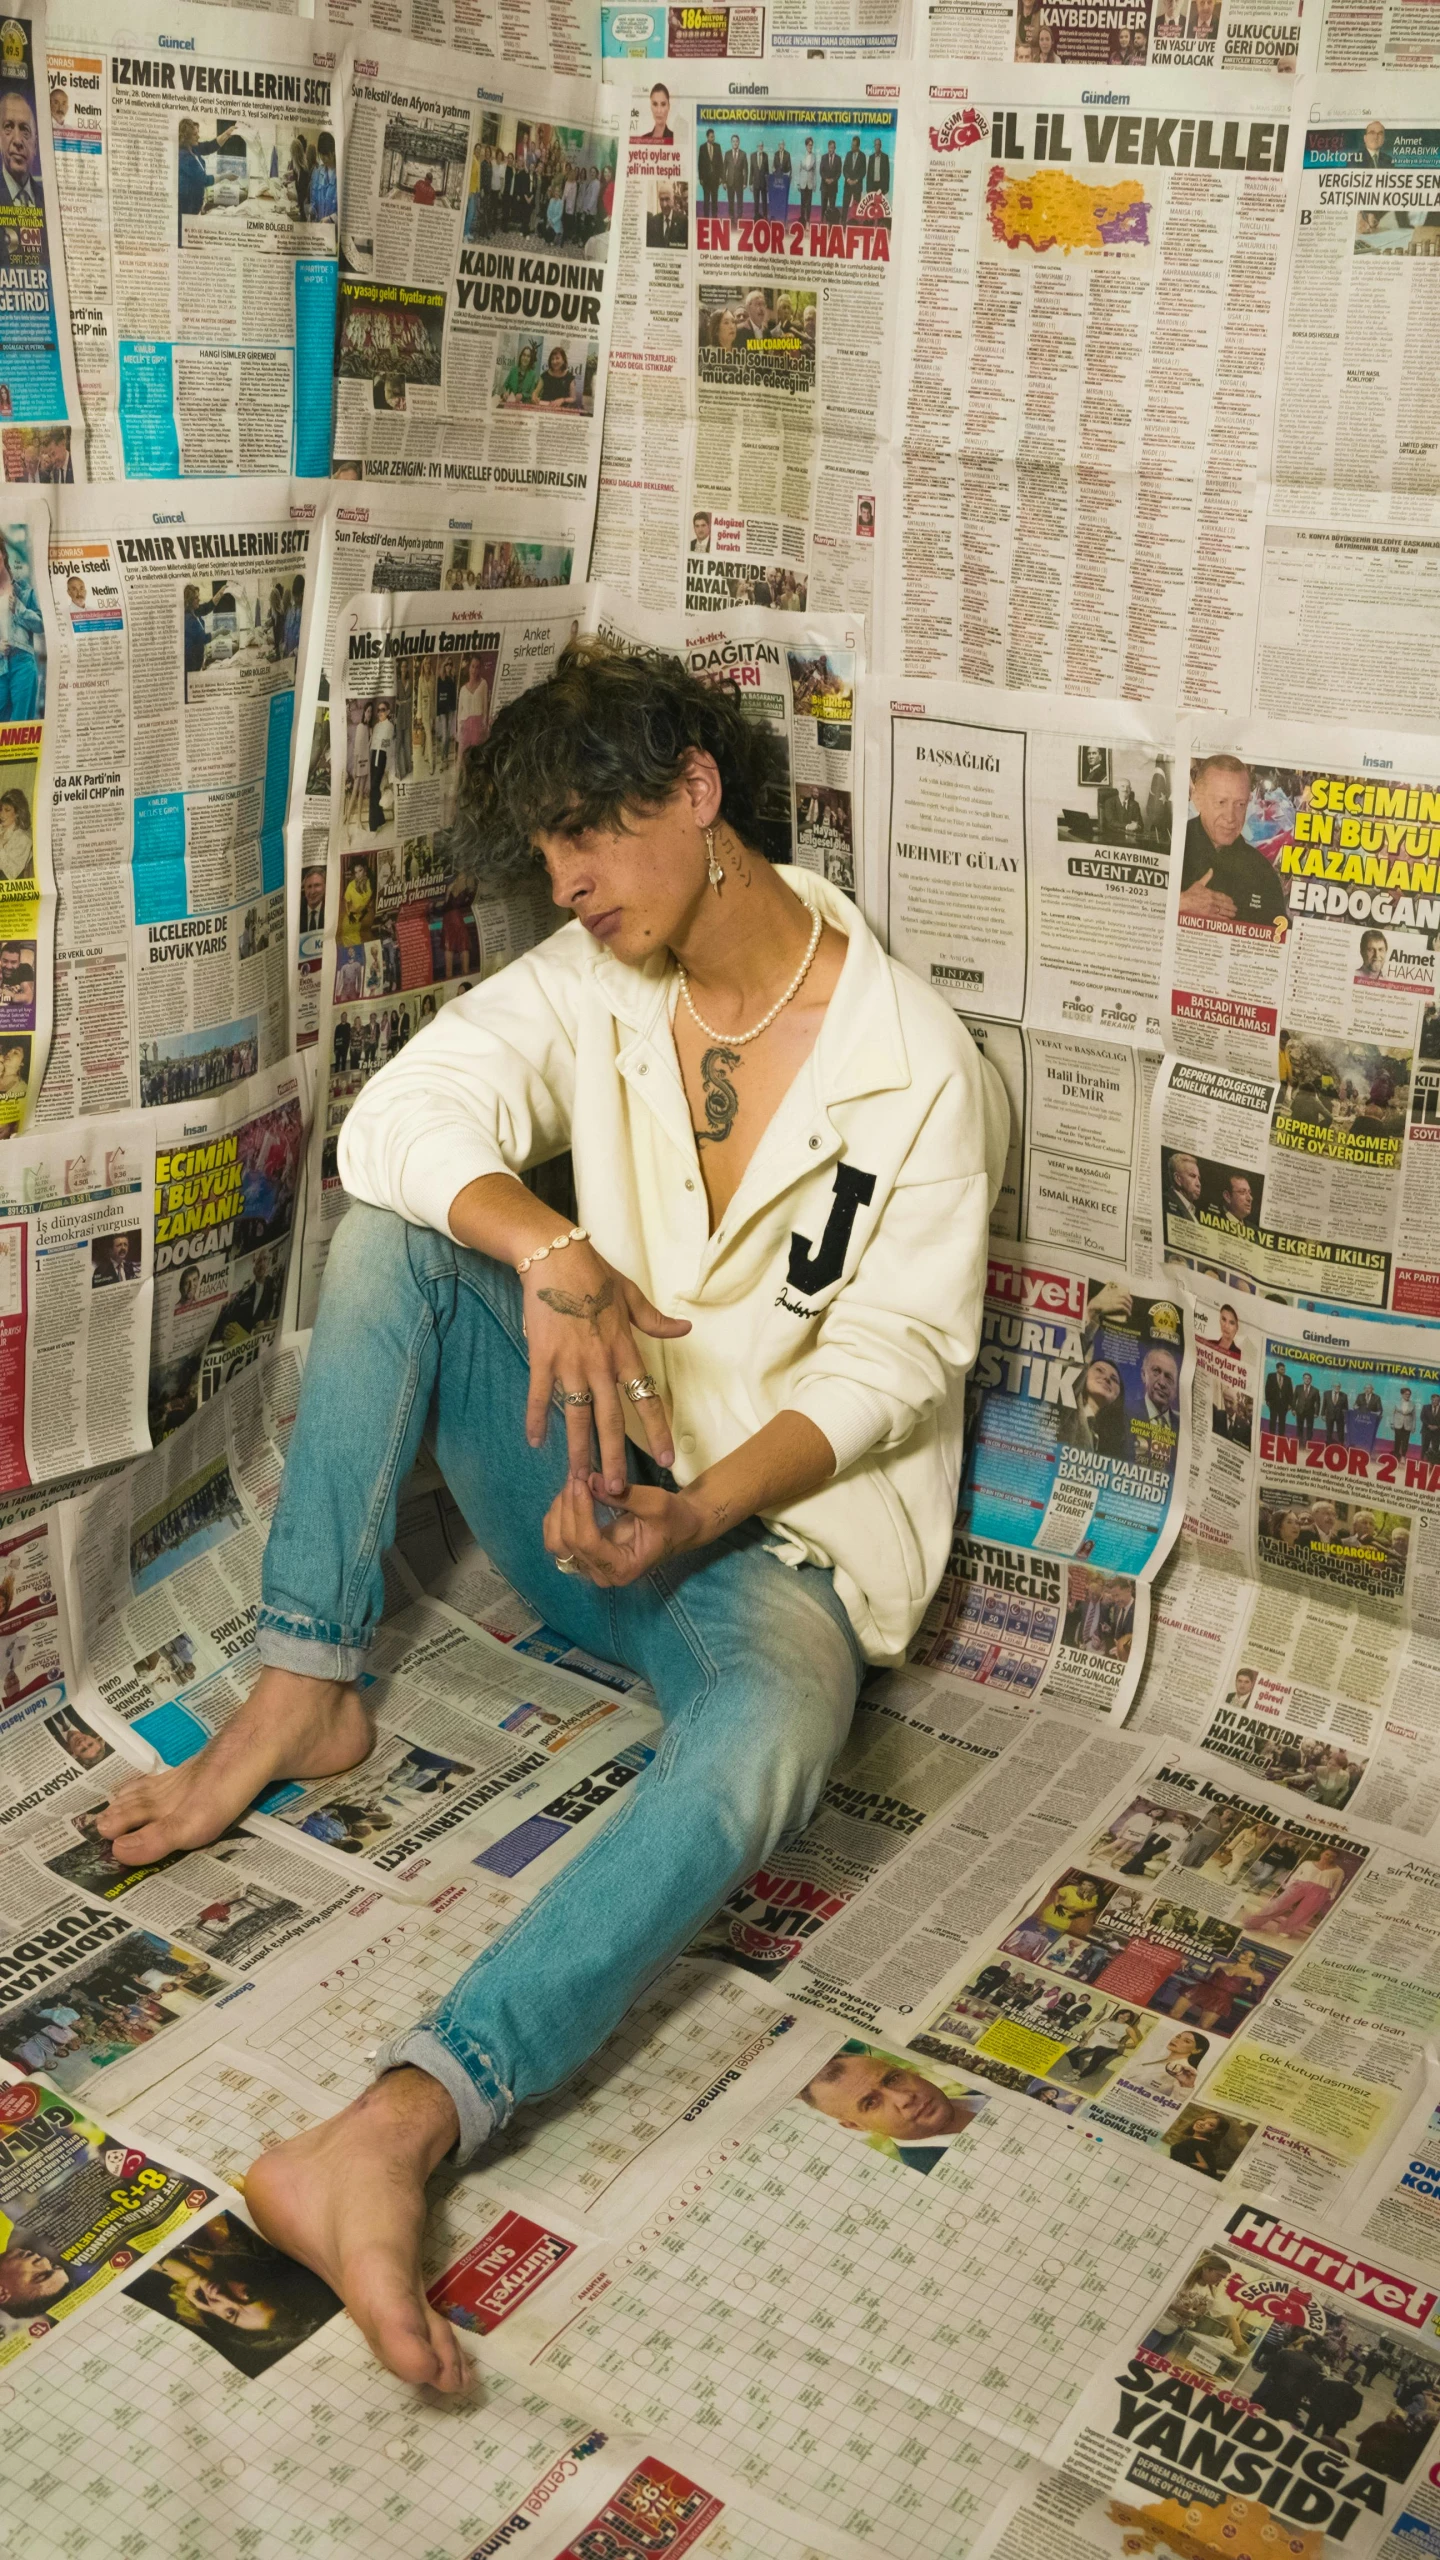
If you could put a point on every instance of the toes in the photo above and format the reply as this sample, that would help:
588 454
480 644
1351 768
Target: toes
456 2373
404 2343
142 1848
127 1806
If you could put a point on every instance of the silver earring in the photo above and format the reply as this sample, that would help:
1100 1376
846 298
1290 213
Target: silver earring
715 870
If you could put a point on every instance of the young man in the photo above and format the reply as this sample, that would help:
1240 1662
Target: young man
782 1137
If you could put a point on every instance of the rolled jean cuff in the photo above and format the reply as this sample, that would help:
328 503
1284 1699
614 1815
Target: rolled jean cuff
310 1646
479 2114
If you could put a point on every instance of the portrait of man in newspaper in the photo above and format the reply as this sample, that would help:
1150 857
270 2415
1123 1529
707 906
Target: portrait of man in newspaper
231 2291
1226 878
910 2116
23 242
1127 799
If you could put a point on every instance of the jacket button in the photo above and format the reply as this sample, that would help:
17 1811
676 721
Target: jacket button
689 1185
642 1069
814 1143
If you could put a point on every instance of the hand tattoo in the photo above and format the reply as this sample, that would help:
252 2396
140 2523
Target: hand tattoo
589 1310
722 1102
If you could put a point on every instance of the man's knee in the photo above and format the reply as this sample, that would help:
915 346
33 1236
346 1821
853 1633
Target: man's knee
798 1724
373 1255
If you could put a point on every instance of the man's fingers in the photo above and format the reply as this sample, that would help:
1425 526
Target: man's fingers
578 1419
649 1318
537 1403
610 1431
650 1412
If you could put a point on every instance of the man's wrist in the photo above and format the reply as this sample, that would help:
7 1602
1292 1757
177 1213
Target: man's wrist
705 1516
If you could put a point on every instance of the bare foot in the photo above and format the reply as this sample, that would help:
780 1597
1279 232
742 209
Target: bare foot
348 2200
289 1727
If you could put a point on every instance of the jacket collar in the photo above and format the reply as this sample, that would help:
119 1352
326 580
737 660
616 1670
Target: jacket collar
861 1048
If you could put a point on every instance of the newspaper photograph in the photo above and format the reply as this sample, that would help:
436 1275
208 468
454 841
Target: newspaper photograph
1332 1397
76 1287
476 291
80 2204
412 922
27 746
393 539
1075 1468
1063 283
198 191
1281 2380
40 413
748 31
180 634
748 396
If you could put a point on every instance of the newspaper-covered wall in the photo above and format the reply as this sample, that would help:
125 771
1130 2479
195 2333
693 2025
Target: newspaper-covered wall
40 418
1081 403
198 174
76 1283
179 634
1377 35
477 288
1294 1123
761 254
388 539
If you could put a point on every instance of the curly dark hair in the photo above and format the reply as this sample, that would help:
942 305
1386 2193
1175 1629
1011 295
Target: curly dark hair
605 737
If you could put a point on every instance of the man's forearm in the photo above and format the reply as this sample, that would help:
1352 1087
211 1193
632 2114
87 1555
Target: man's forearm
497 1216
783 1462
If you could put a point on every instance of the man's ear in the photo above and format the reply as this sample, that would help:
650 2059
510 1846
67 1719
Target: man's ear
700 781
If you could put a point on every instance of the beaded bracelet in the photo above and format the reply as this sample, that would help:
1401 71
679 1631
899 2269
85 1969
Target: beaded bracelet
557 1244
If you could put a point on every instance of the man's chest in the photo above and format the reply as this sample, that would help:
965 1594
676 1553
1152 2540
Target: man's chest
732 1092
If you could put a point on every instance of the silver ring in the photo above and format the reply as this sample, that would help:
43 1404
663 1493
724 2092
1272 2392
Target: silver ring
640 1390
566 1564
573 1395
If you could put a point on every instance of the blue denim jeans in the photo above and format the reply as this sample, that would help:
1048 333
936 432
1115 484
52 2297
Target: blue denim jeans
753 1663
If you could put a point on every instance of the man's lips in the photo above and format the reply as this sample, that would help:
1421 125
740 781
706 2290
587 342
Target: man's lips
602 925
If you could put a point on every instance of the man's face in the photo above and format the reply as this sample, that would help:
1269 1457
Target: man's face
1374 135
1161 1378
28 2276
1244 1683
312 888
1185 1175
666 197
1221 798
17 136
755 311
869 2095
1239 1198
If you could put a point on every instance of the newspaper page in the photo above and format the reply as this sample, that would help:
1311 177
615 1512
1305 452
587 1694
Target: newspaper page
27 747
476 295
389 539
749 393
1281 2386
198 176
796 675
1306 1691
40 411
1377 35
1340 1400
1400 2209
411 921
1124 35
76 1287
163 1568
1147 1982
180 632
228 1169
747 30
1075 1467
541 35
1082 402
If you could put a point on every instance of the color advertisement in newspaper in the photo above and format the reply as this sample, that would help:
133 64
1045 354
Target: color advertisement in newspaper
40 434
1077 1457
393 539
180 636
76 1286
475 299
198 176
27 750
748 394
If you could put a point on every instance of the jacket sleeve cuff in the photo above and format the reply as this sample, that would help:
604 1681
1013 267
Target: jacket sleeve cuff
853 1418
436 1169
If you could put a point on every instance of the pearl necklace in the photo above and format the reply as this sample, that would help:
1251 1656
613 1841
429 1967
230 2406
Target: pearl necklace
741 1039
